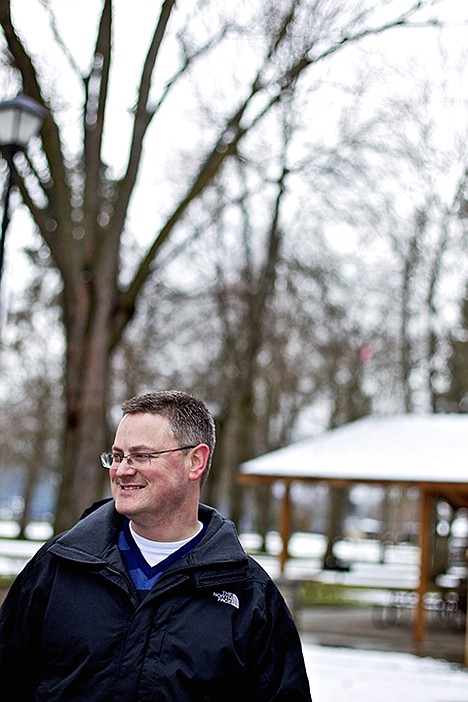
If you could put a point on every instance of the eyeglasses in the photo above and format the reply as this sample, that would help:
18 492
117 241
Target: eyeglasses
112 459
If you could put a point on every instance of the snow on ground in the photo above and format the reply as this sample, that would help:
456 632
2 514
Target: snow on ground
374 676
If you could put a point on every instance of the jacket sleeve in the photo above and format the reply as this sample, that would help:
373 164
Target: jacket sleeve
20 617
278 672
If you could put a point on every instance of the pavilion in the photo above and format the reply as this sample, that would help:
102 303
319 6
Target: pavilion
425 451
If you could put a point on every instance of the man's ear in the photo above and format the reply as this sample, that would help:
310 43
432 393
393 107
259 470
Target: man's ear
199 459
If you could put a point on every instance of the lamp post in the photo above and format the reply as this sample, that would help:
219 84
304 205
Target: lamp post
20 119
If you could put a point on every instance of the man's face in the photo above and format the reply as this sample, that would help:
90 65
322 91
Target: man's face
155 492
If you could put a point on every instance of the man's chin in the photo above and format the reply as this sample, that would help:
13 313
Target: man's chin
126 503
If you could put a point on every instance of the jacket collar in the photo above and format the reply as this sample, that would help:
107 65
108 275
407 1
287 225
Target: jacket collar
93 539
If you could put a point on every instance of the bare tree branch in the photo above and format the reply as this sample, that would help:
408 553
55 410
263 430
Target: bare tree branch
50 132
97 85
143 115
233 133
59 39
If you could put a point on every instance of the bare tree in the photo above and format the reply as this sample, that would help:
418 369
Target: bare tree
80 207
33 399
455 398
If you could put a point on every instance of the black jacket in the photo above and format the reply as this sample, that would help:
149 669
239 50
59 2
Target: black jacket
214 627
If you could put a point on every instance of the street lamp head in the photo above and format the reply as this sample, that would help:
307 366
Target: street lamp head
20 119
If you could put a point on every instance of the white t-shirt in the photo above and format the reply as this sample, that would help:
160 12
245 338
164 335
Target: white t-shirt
156 551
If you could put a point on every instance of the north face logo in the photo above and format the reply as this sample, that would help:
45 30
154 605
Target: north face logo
227 598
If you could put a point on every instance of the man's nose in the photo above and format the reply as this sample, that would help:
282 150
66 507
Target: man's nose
125 465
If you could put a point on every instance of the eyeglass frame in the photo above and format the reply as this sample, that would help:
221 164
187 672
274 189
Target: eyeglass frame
148 454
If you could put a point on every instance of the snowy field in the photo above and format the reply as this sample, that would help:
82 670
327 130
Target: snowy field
371 676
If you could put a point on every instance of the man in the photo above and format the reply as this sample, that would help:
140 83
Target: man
150 597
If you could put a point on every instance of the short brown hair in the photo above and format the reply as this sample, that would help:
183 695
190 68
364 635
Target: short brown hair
191 422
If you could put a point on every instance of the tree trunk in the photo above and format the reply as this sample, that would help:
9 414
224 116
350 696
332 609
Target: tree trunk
337 504
87 432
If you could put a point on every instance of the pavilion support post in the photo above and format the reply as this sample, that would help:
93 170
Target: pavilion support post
285 525
466 639
419 629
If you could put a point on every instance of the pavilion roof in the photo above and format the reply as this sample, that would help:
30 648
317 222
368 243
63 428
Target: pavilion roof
428 449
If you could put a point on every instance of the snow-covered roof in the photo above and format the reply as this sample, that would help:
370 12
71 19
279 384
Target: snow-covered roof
420 448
